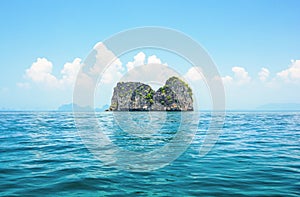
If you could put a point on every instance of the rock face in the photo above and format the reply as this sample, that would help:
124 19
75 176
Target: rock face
175 95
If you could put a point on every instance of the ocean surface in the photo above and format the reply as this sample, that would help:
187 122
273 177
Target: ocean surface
44 154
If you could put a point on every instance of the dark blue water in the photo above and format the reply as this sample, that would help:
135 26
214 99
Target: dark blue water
258 154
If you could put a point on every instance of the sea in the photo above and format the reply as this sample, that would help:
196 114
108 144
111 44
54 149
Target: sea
141 154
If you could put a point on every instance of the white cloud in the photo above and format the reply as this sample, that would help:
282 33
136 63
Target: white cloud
263 74
153 60
292 74
240 75
194 74
139 59
227 79
115 70
40 72
107 64
103 58
97 45
113 73
70 71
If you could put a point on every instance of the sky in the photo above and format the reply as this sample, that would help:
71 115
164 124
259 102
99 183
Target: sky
254 44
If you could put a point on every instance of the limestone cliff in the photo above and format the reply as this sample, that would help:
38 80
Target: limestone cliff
175 95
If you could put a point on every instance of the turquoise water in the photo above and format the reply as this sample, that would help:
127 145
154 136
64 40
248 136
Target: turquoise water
258 154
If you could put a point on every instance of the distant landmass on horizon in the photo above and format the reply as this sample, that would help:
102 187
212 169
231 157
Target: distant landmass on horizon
266 107
69 108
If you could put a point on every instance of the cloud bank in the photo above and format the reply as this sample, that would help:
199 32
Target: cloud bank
241 83
40 72
291 74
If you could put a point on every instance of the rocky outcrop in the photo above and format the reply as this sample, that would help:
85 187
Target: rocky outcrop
122 95
175 95
142 98
183 92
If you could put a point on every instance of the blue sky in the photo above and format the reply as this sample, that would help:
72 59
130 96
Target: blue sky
242 37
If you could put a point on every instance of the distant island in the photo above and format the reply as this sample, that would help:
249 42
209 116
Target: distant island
71 106
175 95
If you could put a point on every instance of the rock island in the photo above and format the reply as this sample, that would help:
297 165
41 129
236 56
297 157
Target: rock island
175 95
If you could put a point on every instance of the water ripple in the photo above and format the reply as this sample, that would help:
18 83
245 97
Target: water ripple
258 154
